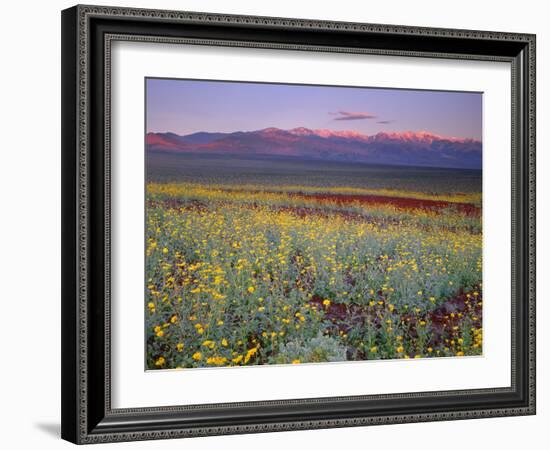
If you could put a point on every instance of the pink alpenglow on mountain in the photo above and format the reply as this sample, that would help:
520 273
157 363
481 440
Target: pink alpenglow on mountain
408 148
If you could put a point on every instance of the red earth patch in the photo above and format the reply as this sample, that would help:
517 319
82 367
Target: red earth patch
399 202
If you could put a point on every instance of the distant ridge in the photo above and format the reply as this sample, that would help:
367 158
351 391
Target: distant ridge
408 148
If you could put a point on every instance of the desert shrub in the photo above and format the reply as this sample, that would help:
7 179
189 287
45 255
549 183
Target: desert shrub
318 349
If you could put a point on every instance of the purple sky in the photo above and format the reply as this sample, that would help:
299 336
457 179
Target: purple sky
188 106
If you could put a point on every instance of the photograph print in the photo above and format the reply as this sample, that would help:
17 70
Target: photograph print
298 224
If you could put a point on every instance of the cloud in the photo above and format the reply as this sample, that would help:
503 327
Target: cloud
385 122
352 115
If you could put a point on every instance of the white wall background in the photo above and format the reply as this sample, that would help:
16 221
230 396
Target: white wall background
30 222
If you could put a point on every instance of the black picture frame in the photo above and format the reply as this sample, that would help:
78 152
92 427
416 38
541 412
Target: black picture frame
87 32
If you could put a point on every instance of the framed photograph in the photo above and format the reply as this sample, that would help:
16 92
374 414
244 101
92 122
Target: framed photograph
279 224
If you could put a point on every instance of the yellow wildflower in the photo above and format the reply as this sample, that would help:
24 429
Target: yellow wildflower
160 361
216 360
249 354
209 344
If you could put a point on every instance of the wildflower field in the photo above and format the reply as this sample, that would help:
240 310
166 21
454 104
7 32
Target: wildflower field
314 267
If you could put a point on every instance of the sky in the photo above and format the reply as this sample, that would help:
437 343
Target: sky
189 106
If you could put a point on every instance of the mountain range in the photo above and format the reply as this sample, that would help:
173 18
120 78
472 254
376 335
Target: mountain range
407 148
